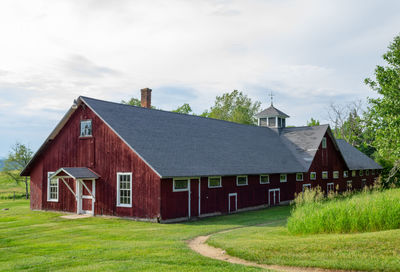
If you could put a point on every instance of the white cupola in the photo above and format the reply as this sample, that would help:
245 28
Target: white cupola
272 117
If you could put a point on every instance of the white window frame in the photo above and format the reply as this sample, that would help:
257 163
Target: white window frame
353 173
209 186
367 172
327 175
315 173
335 174
328 185
280 178
180 190
308 186
119 192
302 176
237 180
324 143
91 128
48 188
265 175
361 173
345 174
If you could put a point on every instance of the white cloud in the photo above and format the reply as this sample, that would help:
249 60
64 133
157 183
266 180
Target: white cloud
187 51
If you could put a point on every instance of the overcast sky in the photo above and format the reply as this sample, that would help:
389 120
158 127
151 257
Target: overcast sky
308 53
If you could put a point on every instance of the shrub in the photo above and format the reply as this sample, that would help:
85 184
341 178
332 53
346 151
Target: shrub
369 210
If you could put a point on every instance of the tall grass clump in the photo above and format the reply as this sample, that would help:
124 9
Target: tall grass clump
369 210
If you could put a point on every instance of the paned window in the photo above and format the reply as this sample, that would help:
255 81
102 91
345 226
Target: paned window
345 174
283 178
299 177
214 182
313 176
335 174
241 180
324 142
124 189
180 185
86 128
264 179
52 188
325 175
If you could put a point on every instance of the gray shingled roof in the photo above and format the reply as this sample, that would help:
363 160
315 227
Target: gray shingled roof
355 159
183 145
78 172
270 112
303 142
179 145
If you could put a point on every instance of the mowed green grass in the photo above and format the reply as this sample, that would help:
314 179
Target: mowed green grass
273 244
42 241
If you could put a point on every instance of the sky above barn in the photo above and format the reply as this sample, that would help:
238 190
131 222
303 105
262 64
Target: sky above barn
308 53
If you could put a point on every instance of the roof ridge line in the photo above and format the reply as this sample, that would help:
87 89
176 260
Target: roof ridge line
160 110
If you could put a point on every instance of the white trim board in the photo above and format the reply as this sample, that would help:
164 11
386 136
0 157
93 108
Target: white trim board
229 202
118 190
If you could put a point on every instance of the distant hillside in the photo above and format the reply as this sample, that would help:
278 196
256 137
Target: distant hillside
2 163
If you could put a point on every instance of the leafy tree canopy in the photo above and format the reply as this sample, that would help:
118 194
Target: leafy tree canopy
17 159
313 122
234 107
185 108
383 116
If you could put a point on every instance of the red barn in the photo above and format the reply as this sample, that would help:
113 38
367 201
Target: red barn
105 158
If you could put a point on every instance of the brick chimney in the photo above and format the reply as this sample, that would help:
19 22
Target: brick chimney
146 98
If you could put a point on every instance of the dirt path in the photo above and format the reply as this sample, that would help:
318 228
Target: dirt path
199 245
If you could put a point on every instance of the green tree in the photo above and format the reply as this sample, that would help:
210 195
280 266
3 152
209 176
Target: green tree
133 102
313 122
234 107
185 108
383 116
17 159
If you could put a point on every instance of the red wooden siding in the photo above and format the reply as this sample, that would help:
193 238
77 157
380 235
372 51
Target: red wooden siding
216 200
106 154
330 160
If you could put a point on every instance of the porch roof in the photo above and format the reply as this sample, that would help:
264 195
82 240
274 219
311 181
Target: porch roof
76 173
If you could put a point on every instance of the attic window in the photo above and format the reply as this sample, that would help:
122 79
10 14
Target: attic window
324 142
86 128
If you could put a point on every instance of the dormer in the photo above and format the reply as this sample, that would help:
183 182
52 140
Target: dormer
272 117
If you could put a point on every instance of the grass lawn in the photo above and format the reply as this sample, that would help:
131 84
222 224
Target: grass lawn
273 244
37 241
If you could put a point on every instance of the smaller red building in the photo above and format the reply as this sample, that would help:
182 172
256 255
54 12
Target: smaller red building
106 158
